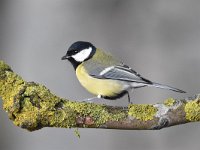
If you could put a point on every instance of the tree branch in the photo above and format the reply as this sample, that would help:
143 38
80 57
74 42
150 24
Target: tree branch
32 106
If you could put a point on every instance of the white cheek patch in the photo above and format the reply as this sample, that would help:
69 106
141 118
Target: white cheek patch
82 55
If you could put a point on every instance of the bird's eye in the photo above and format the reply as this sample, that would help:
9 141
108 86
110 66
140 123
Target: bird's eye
75 51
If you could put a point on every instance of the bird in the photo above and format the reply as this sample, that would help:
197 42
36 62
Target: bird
104 75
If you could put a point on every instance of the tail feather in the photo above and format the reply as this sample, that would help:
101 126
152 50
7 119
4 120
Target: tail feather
161 86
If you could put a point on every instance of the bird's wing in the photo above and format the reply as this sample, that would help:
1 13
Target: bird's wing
120 72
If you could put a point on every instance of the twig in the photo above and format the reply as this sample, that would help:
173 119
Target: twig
32 106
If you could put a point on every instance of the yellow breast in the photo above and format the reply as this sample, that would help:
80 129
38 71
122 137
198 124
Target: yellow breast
104 87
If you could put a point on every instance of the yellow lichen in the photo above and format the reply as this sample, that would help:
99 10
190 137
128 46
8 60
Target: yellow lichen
59 118
10 84
39 103
169 102
99 113
40 95
32 106
27 120
192 110
4 66
142 112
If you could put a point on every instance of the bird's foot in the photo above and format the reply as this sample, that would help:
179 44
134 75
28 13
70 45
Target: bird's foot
90 100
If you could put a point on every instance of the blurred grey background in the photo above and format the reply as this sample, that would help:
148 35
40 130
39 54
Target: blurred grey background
158 38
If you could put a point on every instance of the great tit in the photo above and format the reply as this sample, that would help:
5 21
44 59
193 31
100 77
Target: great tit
103 75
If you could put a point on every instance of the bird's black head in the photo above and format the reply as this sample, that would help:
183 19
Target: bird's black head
79 52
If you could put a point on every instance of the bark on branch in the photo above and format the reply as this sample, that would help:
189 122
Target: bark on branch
32 106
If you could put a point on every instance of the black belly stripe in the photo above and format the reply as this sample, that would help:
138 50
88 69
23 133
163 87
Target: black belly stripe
115 96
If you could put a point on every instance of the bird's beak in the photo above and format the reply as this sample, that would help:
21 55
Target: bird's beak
65 57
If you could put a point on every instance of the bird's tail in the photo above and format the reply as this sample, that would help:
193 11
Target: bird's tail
161 86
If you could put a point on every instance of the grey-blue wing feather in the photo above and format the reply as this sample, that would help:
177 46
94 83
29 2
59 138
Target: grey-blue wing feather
125 73
119 72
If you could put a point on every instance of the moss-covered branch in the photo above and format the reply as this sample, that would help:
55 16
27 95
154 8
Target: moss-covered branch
32 106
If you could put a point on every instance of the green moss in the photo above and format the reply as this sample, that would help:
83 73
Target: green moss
40 104
3 66
98 113
142 112
59 118
27 120
10 85
30 115
39 94
192 110
77 133
32 106
169 102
